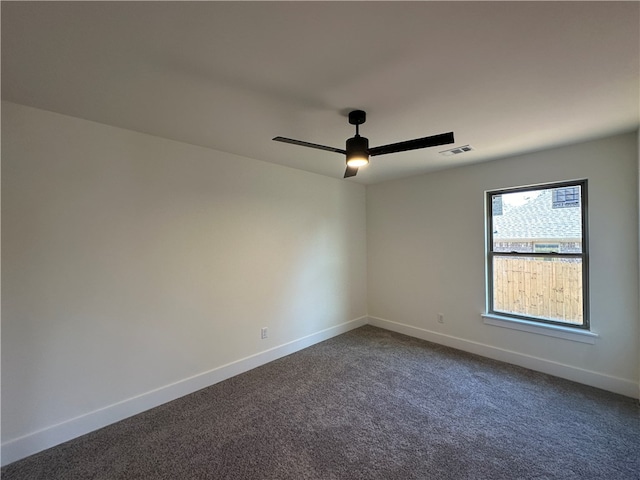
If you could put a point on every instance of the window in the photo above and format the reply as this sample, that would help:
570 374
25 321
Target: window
566 197
546 247
496 204
537 262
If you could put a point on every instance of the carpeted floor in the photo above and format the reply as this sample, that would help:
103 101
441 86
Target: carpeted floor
369 404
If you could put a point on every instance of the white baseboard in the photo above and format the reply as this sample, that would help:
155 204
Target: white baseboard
35 442
622 386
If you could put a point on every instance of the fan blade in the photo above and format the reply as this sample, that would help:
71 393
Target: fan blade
310 145
350 172
433 141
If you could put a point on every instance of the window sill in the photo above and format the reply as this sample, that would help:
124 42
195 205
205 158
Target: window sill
583 336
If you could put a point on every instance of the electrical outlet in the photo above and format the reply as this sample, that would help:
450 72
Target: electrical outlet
441 318
264 333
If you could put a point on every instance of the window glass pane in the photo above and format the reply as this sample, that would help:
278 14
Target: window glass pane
546 247
496 205
546 288
549 216
565 197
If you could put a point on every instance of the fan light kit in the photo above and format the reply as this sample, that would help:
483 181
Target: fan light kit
357 149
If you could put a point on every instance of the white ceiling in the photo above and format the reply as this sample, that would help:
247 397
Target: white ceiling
506 77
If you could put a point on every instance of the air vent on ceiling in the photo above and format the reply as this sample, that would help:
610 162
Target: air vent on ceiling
457 150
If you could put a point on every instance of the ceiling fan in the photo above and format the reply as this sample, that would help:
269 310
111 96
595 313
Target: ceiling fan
357 149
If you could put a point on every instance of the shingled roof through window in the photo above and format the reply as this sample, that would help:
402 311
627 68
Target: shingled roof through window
537 219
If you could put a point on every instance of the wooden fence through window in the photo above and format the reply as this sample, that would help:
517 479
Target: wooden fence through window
539 287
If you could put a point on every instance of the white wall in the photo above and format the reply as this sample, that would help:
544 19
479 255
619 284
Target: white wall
426 255
135 268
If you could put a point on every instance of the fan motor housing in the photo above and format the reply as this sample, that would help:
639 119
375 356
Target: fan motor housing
358 145
357 151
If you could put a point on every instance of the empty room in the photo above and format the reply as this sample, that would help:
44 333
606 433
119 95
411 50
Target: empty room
320 240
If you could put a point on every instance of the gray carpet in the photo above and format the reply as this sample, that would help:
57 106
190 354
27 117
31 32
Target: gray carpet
369 404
